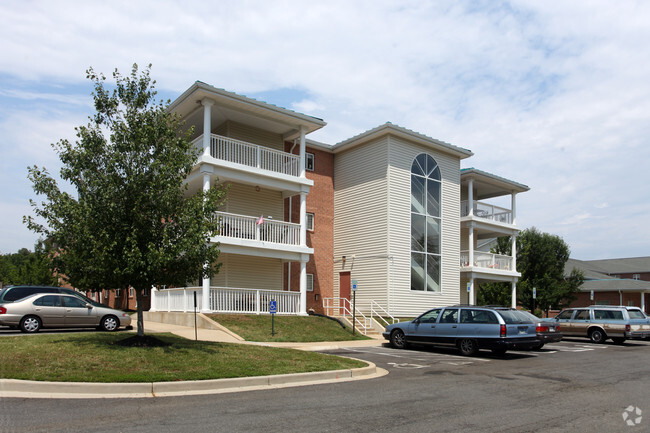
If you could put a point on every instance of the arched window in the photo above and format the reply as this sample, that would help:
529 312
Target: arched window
425 224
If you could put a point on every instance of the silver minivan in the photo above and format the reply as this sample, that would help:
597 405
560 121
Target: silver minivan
601 322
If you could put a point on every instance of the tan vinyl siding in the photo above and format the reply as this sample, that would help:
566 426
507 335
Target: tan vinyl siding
249 272
360 219
246 200
249 134
403 300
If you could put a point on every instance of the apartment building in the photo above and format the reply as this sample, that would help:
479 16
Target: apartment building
388 212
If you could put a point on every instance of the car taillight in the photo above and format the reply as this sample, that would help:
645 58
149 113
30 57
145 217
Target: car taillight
558 328
541 328
3 310
627 328
503 331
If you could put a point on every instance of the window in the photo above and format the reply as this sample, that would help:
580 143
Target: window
310 222
430 316
309 161
71 302
310 282
117 293
145 292
449 316
582 315
425 224
566 314
636 276
48 301
131 292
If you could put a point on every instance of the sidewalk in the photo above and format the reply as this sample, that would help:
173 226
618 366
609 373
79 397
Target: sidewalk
221 336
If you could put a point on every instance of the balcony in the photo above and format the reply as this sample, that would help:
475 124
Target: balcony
487 261
487 211
251 155
252 228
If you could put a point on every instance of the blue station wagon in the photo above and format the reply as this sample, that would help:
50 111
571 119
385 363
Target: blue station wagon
467 328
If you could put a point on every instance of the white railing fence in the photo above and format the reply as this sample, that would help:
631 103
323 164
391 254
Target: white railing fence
248 227
487 260
380 314
252 155
487 211
226 300
342 307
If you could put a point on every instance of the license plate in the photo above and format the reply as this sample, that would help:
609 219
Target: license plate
551 329
523 330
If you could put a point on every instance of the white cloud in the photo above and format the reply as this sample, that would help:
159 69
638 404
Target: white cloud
551 94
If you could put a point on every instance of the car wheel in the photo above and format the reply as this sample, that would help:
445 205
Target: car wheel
539 346
109 323
597 336
618 340
398 339
30 324
499 351
467 347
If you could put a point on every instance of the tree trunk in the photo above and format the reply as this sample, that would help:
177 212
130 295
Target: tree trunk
140 316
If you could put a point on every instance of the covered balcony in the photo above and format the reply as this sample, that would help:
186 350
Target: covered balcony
488 261
250 155
235 226
487 211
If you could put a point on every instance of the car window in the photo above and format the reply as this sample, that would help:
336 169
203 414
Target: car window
83 297
69 301
514 316
582 315
450 315
636 314
477 316
48 301
17 293
430 316
566 314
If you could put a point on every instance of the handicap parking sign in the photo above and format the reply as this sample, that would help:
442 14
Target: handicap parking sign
273 307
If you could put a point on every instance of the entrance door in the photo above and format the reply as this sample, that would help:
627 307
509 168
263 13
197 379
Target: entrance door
344 289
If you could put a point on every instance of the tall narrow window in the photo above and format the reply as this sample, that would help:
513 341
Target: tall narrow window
310 221
309 161
425 224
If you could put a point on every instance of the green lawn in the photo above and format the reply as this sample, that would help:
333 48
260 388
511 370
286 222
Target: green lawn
287 328
94 357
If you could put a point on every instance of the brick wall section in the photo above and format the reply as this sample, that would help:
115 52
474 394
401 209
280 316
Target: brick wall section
633 299
320 202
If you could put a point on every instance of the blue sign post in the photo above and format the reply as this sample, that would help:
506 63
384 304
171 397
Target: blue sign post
273 309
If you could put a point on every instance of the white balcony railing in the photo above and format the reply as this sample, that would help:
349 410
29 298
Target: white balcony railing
226 300
487 261
487 211
252 155
265 230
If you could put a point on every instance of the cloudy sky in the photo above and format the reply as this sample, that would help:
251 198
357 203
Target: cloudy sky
551 94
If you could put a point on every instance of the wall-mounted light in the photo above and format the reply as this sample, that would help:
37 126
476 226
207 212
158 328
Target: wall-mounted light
257 188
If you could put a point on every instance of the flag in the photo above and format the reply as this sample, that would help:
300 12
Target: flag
260 220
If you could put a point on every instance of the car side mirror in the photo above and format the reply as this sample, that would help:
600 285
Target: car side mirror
89 306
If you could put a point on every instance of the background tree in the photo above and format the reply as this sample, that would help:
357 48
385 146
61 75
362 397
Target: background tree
26 267
541 259
132 222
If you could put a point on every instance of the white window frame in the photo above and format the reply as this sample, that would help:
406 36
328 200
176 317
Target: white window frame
131 292
636 276
310 157
310 221
117 293
310 282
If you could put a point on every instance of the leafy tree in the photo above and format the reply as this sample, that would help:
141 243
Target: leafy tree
133 222
541 258
26 267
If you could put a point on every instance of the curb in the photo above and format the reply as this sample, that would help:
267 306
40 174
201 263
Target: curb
36 389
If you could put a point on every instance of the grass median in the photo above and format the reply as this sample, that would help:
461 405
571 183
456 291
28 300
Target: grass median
97 357
294 329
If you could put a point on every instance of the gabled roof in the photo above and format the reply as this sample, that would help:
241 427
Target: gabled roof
488 185
404 133
623 266
599 281
242 109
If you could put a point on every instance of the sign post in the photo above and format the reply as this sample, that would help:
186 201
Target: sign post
196 335
534 297
273 308
354 306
